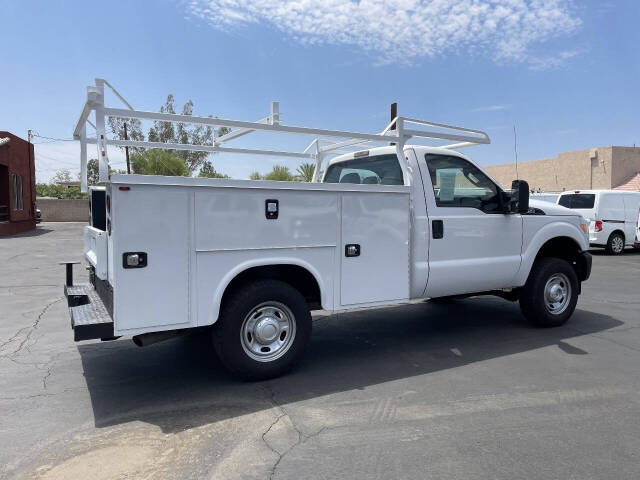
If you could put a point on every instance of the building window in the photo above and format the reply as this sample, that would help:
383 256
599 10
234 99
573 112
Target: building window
17 192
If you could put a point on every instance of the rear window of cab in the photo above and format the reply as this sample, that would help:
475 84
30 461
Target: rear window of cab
376 170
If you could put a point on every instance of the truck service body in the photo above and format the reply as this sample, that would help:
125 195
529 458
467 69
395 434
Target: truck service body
250 259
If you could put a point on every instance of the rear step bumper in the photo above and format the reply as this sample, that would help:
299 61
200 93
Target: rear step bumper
90 318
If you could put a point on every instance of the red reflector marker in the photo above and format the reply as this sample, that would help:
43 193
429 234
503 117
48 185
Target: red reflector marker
124 189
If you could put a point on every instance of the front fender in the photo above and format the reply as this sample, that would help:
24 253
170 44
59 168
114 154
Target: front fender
536 234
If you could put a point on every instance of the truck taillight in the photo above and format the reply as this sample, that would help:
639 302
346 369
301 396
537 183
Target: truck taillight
598 226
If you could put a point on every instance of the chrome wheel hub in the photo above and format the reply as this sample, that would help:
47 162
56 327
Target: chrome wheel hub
557 293
268 331
617 244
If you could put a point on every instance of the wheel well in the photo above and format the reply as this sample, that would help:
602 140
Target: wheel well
567 249
298 277
618 231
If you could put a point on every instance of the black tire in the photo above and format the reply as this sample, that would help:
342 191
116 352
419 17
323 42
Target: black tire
534 297
616 240
229 343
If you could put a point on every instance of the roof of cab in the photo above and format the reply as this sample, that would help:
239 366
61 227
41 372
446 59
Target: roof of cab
392 149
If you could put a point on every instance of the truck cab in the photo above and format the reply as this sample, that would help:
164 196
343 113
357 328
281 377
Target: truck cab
466 236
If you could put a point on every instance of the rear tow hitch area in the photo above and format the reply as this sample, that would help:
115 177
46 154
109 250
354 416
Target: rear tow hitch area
90 318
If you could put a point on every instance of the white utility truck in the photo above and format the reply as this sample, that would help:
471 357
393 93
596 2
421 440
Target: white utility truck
250 260
613 216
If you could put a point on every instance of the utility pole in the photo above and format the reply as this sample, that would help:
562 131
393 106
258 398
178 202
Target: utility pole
32 185
126 149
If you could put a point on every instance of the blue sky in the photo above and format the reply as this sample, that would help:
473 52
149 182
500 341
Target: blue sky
565 73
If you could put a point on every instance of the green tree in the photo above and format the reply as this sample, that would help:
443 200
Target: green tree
255 176
280 173
58 191
159 162
208 171
184 133
63 175
163 131
93 172
305 171
134 130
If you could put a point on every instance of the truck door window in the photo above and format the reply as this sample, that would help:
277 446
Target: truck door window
378 169
458 183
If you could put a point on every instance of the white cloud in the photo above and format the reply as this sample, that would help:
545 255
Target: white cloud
404 31
491 108
551 61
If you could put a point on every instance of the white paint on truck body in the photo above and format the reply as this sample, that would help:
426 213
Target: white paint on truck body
199 234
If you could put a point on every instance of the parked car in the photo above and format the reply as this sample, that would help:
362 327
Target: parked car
613 216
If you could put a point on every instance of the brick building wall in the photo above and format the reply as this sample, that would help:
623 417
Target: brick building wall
594 168
16 158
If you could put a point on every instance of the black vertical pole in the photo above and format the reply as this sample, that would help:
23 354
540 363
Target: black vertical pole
69 274
394 114
126 149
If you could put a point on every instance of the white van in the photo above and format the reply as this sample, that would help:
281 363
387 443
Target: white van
613 216
545 197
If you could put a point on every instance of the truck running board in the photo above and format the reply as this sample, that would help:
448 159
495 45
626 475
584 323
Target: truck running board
89 316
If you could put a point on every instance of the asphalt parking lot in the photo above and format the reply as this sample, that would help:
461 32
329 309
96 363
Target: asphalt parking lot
458 390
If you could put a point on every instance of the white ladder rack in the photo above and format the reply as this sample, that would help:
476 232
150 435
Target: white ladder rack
397 132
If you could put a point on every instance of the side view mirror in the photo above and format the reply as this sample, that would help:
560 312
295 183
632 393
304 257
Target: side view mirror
520 196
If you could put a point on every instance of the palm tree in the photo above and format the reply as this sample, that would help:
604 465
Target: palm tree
305 171
279 173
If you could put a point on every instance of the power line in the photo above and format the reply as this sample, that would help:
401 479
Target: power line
53 139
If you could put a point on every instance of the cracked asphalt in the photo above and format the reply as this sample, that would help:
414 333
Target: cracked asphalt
465 389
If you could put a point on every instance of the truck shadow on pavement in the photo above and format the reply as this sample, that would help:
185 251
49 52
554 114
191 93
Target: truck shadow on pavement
36 232
180 384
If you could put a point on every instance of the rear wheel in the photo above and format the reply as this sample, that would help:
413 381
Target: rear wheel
615 244
550 295
262 330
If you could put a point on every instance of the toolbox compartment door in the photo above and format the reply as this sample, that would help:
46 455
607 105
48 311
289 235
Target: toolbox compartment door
378 225
155 220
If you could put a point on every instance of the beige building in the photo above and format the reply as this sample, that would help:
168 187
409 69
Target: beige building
595 168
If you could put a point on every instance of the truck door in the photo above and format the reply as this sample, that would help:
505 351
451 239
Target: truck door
473 246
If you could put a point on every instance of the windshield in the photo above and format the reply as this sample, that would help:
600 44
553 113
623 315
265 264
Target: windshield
379 169
577 200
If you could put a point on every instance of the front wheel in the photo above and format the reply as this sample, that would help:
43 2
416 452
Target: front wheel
550 295
262 330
